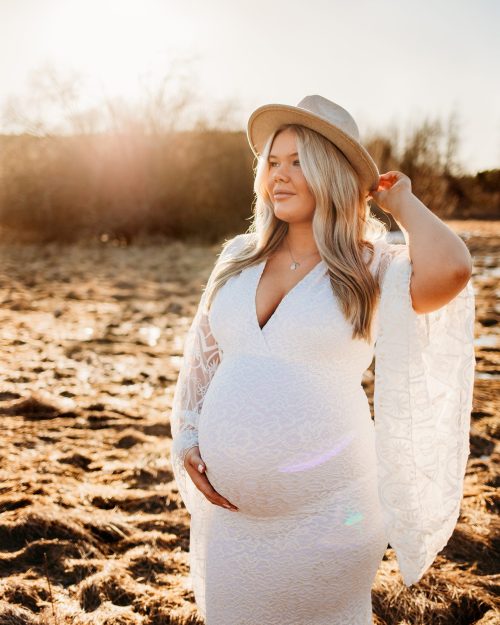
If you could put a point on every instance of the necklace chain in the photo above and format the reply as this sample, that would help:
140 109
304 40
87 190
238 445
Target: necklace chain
295 263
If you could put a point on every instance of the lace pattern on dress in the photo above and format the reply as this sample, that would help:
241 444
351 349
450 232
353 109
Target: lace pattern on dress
424 376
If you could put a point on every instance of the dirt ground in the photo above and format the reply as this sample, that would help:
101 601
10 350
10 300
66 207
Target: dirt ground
92 528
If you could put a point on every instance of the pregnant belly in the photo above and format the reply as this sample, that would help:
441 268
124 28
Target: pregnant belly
276 440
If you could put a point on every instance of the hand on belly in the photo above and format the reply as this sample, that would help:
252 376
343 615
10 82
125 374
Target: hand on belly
193 462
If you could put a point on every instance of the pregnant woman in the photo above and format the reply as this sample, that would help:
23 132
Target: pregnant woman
294 491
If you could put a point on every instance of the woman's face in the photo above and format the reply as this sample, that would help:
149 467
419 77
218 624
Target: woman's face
285 174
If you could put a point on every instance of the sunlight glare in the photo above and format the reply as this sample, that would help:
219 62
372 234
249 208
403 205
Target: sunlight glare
115 44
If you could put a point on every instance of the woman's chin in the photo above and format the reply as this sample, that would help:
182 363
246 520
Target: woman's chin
282 213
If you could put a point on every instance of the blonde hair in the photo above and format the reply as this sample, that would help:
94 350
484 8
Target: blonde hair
343 227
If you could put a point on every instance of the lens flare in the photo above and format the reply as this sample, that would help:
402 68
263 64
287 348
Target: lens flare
317 460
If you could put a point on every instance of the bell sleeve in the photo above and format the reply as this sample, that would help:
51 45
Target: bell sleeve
424 377
201 357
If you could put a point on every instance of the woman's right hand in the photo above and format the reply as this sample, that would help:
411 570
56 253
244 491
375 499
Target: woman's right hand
193 463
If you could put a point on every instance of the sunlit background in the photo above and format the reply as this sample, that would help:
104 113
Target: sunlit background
124 165
389 62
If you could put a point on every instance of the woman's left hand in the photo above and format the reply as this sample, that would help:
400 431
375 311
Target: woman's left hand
393 188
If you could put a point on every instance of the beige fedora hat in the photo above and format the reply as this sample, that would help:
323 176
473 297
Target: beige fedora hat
326 117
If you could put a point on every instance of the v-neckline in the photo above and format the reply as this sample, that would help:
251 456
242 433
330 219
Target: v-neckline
260 270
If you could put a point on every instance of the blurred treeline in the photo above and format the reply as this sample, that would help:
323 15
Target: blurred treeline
139 178
121 185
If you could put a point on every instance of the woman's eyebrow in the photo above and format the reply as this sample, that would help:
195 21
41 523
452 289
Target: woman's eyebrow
274 156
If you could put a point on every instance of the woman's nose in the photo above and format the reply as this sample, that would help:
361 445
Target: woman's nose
280 174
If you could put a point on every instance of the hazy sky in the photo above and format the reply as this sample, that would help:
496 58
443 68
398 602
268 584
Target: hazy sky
388 62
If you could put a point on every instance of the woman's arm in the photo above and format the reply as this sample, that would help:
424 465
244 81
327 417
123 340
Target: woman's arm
200 362
201 359
441 262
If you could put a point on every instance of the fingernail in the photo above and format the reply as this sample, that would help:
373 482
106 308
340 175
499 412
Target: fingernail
200 468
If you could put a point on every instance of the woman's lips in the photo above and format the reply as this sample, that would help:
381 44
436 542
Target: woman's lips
282 196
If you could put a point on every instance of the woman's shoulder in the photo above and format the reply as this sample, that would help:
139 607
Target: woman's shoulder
384 252
232 247
386 248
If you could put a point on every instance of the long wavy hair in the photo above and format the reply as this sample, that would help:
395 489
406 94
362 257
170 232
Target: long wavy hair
343 226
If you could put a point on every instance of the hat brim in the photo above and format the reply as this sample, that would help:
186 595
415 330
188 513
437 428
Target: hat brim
264 121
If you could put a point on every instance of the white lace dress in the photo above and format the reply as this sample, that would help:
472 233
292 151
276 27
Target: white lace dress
284 427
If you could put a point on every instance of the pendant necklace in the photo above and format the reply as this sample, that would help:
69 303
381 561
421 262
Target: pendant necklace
295 263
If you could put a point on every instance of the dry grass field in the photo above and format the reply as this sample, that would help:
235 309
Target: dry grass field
92 528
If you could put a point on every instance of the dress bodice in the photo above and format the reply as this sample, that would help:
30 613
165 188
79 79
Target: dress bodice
307 326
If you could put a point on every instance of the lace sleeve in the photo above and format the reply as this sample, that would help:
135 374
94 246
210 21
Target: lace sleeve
200 360
201 357
384 254
424 377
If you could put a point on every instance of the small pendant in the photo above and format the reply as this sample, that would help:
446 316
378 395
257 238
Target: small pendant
294 265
